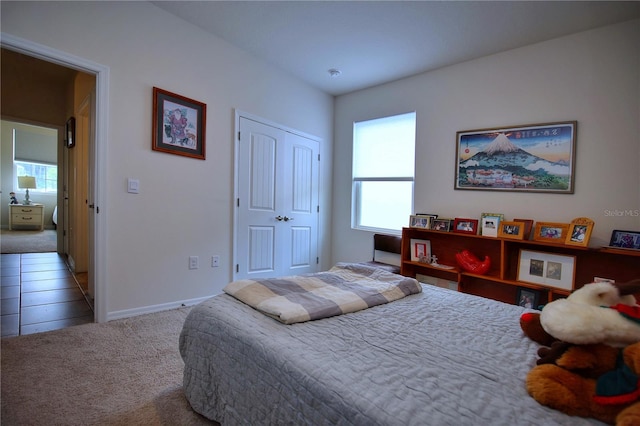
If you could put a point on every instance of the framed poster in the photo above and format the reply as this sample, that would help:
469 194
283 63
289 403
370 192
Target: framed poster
179 125
526 158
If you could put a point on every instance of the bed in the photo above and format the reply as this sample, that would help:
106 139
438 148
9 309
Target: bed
437 357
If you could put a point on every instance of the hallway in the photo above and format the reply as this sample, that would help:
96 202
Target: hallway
39 293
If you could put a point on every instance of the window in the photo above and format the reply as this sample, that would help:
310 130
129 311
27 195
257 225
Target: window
35 153
46 175
383 172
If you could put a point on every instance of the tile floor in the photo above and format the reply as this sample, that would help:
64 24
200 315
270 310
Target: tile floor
39 293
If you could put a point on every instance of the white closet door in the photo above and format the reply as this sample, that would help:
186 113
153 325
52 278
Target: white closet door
277 205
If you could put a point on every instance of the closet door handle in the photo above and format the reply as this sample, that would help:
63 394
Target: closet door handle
280 218
287 219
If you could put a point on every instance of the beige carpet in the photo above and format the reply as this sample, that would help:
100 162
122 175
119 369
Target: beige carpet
28 241
125 372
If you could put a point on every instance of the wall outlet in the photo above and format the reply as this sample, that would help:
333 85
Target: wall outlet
215 261
193 262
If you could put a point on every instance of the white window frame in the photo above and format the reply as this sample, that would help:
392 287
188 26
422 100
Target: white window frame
357 182
39 187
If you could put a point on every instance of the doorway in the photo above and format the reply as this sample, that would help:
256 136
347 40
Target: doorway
96 157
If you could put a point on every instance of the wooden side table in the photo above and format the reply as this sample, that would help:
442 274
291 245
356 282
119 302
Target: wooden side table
26 215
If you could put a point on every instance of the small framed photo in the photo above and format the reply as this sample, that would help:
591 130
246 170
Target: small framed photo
440 224
513 230
70 133
420 222
490 223
553 270
625 239
528 298
465 226
528 226
179 125
551 232
420 251
580 231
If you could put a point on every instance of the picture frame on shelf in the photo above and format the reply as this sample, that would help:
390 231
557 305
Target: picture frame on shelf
528 298
420 250
512 230
489 224
528 226
485 158
441 224
551 232
465 226
629 240
580 232
548 269
179 125
416 221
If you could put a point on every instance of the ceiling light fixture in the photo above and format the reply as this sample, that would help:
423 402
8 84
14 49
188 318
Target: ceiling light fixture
334 72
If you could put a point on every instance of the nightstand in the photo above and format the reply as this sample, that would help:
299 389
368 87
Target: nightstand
26 215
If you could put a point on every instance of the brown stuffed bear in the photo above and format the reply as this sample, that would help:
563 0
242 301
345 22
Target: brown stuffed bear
571 384
587 380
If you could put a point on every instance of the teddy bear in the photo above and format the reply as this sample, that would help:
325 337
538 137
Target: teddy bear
593 369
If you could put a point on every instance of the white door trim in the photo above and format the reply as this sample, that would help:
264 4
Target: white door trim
99 162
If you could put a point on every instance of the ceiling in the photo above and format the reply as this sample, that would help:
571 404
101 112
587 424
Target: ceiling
374 42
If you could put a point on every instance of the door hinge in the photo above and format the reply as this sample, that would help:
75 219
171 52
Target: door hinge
318 209
97 210
318 157
237 202
238 135
237 268
317 260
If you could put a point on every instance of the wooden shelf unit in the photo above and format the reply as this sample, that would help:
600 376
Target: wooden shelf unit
500 282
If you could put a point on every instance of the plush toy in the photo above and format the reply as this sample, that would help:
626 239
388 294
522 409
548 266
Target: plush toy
589 365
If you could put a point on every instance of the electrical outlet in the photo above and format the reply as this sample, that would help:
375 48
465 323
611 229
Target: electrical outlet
193 262
215 261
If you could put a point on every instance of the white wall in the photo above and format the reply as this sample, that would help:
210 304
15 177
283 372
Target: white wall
592 77
185 205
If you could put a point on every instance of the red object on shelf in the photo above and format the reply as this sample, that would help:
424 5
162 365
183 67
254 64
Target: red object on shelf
470 263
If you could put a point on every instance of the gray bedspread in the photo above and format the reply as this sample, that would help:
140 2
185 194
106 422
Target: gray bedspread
435 358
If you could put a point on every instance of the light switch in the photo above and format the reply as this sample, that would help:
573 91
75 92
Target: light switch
133 186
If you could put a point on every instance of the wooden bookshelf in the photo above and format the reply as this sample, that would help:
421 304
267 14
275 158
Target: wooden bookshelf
501 281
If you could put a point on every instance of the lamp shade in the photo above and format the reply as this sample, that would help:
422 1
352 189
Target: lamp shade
28 182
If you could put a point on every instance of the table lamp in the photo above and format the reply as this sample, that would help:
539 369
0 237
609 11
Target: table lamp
26 182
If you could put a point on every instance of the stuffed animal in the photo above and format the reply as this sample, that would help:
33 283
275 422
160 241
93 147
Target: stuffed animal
589 365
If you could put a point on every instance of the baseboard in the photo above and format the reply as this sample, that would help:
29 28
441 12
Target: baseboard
154 308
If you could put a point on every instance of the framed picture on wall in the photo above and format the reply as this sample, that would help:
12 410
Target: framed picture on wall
504 158
179 124
70 133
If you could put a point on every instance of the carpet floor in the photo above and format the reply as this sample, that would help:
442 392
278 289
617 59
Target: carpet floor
28 241
124 372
